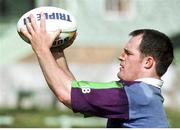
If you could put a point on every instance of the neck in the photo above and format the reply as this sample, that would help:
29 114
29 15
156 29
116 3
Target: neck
148 73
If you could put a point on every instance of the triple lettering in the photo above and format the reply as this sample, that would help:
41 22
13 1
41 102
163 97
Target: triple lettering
57 16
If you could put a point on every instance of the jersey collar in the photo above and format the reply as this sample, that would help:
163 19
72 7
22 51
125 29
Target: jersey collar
152 81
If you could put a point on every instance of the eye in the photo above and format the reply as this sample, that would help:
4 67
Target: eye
127 52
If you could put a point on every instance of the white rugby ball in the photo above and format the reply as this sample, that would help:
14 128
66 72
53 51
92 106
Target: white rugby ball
56 18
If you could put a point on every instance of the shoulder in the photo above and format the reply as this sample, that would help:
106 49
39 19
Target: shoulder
96 85
139 93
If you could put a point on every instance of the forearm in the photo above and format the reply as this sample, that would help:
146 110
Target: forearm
56 76
62 63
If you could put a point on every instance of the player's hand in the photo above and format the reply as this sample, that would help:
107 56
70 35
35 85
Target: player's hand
62 47
40 39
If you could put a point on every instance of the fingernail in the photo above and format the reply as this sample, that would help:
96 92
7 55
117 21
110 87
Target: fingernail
31 16
42 14
21 29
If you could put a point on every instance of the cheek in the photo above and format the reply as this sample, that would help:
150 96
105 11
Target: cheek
131 72
133 65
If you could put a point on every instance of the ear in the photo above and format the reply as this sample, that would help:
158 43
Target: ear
148 62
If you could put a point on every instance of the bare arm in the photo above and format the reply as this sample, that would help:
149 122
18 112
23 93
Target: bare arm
61 61
57 73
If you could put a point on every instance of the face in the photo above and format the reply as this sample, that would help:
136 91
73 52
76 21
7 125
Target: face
131 60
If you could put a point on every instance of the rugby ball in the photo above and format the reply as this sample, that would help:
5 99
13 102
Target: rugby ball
56 18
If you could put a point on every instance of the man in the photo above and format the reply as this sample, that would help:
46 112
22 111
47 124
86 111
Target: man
134 101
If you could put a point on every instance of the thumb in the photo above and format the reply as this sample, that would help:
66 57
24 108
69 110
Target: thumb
57 33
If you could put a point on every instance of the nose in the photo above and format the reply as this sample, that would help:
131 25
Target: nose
122 56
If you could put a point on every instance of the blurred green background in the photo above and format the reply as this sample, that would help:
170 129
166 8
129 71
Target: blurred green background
103 28
53 118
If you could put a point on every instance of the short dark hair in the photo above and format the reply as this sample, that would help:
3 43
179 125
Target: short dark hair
157 45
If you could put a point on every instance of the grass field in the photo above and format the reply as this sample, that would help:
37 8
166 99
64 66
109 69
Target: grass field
37 119
173 117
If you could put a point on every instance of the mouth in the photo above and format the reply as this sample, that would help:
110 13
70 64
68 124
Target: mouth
121 67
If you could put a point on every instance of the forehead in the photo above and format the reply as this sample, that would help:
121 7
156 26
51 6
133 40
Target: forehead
134 42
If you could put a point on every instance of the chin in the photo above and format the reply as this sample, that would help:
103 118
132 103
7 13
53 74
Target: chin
120 76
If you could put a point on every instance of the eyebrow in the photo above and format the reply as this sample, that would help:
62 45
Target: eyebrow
127 51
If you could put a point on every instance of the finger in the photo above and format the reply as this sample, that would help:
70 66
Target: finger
56 34
43 22
29 28
25 33
33 23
